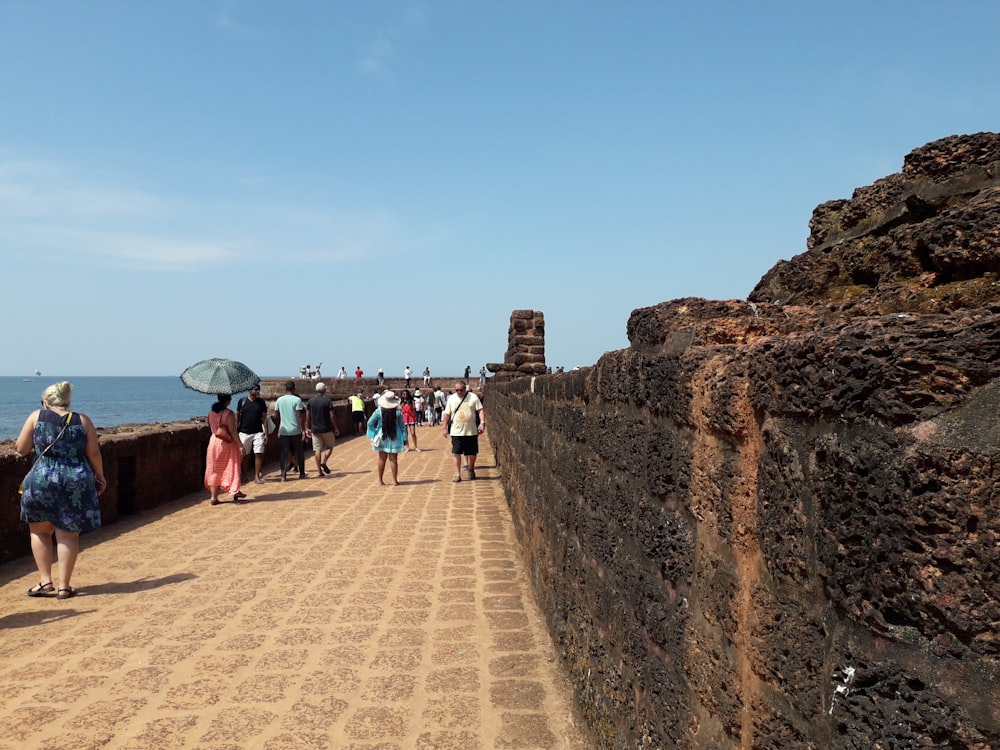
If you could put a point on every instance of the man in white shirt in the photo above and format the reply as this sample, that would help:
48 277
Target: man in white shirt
464 422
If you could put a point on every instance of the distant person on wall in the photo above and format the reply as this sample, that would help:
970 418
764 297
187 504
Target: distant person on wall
358 412
290 413
388 434
342 375
407 374
410 420
482 376
223 463
468 373
427 376
251 418
460 424
381 376
359 373
59 494
320 422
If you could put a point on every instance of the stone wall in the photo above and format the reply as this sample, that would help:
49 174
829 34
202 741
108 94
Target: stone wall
743 538
775 523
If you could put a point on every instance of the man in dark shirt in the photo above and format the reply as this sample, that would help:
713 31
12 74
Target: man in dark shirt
320 421
250 415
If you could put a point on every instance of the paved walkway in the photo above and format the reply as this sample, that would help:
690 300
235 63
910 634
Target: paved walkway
320 613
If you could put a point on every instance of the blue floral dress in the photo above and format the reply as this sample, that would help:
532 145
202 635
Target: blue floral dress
60 486
390 443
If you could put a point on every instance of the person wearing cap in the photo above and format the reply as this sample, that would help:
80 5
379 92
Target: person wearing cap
464 421
388 434
290 414
358 411
320 422
251 411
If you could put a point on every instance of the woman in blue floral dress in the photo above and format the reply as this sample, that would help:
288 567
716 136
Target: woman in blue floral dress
386 423
60 493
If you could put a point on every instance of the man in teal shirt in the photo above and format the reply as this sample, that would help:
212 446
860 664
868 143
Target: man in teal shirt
290 414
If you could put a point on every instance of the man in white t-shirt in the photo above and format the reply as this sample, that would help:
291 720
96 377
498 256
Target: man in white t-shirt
464 422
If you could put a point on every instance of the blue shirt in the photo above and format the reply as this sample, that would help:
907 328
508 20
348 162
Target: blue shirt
288 407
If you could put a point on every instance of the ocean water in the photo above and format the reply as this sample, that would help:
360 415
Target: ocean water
108 401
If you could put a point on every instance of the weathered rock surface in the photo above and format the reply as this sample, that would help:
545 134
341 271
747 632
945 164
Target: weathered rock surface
775 523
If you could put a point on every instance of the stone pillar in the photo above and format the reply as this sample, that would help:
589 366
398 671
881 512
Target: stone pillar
525 354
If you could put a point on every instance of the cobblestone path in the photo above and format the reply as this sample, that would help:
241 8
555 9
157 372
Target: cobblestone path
328 612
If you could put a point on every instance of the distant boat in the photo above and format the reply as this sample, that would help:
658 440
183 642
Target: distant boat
27 380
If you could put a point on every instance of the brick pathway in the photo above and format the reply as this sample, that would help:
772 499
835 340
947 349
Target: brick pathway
320 613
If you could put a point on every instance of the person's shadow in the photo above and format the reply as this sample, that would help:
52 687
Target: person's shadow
134 587
35 617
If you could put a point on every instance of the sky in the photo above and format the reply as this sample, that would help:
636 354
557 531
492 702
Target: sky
382 183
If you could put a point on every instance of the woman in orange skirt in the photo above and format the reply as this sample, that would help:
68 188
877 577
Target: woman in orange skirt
225 453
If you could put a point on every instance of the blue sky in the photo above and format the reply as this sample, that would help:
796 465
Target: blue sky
382 183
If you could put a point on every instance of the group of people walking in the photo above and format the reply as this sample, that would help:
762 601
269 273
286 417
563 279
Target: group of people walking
392 429
60 494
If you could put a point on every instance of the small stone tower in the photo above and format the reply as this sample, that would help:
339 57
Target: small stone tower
525 346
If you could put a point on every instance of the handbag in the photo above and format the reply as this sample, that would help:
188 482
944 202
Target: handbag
377 441
69 416
223 434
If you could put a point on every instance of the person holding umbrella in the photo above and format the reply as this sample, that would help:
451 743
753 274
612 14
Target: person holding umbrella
225 452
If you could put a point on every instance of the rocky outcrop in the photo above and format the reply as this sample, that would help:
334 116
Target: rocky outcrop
775 523
923 240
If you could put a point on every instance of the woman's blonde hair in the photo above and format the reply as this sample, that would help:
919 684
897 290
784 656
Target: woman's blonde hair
58 394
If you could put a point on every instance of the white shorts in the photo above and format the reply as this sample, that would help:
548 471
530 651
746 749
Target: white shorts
255 439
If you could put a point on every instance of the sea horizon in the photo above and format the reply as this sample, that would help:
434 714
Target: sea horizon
109 400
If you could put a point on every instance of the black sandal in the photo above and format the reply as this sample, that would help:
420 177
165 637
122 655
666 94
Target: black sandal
42 589
65 593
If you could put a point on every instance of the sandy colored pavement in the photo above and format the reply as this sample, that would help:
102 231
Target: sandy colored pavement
320 613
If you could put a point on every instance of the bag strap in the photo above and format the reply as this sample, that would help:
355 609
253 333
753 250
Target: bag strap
450 421
69 416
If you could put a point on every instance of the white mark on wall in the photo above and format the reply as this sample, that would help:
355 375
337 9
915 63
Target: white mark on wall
844 685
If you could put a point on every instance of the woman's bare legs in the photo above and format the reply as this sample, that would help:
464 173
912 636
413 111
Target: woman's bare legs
411 430
68 544
41 548
381 465
394 461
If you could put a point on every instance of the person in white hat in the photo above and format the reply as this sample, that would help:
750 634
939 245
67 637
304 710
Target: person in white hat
388 434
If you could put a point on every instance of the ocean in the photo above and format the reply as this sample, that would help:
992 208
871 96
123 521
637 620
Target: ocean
108 401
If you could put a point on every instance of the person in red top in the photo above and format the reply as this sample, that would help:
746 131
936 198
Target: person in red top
410 420
358 373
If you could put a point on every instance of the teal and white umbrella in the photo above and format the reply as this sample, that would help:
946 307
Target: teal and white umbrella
216 376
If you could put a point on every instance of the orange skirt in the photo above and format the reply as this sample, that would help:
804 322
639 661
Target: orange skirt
222 465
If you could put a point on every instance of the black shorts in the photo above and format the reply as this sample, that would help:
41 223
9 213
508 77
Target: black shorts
465 445
358 417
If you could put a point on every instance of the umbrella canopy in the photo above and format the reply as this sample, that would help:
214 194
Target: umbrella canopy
217 376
